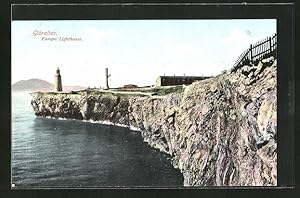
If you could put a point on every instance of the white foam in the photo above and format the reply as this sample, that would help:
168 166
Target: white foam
134 128
104 122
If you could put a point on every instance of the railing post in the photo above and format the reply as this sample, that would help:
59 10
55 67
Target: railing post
250 53
275 44
270 42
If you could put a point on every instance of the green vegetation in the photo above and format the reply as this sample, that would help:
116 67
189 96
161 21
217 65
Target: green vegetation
54 93
149 91
136 91
167 90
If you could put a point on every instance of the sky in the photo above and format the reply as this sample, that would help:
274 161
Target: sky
134 51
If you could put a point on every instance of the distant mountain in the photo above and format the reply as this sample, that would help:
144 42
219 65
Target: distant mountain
39 85
32 85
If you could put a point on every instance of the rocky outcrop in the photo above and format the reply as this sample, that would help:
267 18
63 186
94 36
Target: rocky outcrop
220 131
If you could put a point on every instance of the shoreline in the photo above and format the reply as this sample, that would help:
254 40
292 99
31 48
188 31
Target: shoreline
212 129
106 122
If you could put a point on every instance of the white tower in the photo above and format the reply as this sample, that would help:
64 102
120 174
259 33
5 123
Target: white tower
57 81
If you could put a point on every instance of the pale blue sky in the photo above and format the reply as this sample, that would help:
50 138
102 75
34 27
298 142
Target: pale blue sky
135 51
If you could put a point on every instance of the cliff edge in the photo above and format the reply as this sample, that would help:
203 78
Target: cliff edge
220 131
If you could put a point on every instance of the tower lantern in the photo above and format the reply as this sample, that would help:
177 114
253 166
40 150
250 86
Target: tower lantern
57 82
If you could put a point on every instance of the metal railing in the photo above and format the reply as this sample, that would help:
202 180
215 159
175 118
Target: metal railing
257 51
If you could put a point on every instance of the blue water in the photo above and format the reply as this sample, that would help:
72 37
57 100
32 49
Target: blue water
67 153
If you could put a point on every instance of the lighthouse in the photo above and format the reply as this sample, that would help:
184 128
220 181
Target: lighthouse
57 81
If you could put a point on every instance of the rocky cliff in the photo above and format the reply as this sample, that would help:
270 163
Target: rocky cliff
220 131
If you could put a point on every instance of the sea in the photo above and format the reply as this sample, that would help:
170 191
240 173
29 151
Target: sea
53 153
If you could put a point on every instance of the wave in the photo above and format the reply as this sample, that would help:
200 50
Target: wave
105 122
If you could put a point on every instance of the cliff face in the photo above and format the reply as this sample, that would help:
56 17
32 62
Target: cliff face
220 131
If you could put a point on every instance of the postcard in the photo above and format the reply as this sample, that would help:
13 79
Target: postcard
144 103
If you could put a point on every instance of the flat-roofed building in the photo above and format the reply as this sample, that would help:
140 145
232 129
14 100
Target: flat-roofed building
177 80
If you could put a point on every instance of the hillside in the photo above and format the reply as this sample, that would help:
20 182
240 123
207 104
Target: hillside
35 84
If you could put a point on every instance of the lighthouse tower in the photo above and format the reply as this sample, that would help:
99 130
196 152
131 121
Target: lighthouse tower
57 81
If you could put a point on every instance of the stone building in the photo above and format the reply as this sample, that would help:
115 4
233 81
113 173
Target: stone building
57 81
177 80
